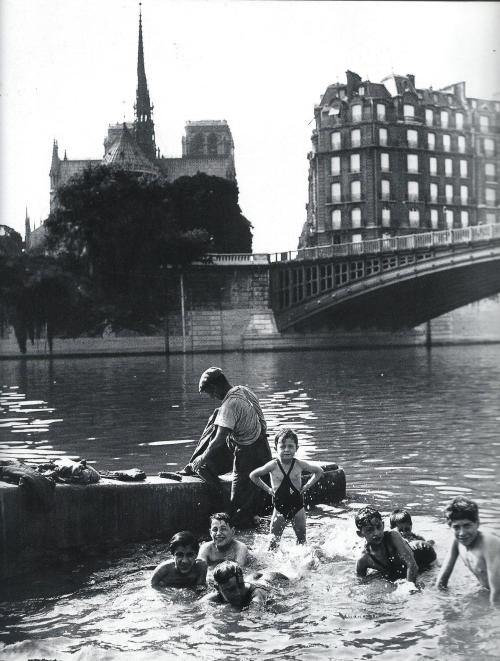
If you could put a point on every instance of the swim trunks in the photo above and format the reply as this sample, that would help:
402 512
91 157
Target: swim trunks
287 500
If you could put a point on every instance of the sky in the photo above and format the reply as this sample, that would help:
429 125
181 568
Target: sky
68 70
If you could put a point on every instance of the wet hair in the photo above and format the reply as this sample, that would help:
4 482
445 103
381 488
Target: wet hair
226 570
364 515
183 538
461 508
222 516
400 516
286 432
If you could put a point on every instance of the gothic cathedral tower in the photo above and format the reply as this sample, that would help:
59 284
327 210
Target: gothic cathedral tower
144 128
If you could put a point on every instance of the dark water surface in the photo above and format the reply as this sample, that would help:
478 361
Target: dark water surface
410 428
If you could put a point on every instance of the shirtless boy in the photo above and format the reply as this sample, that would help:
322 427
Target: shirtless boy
385 551
286 486
184 569
231 588
223 545
480 551
423 551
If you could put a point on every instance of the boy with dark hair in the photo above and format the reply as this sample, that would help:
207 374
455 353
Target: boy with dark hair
286 486
385 551
422 549
223 546
184 569
479 550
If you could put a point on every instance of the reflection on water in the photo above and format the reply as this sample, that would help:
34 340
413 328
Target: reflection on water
410 428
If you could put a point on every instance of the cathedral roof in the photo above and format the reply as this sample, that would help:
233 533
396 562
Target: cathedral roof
125 153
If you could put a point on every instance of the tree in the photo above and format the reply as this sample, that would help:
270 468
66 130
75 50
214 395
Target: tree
11 242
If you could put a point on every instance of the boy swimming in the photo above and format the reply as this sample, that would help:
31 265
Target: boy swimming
422 549
223 545
385 551
184 569
286 486
480 551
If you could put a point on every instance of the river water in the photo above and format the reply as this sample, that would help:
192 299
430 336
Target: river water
411 428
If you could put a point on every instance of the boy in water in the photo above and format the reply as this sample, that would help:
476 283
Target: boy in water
422 549
231 587
480 551
223 545
385 551
286 486
184 569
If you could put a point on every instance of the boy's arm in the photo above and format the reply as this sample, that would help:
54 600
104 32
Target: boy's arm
405 552
241 553
160 572
492 557
202 568
447 567
258 599
362 566
211 596
204 552
313 468
256 474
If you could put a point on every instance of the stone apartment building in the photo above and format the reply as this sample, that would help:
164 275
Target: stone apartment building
389 158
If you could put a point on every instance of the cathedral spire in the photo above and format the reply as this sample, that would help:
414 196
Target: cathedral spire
144 125
27 230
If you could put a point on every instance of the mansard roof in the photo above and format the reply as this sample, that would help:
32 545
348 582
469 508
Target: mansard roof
125 153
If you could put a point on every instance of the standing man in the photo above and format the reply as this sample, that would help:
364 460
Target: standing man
240 424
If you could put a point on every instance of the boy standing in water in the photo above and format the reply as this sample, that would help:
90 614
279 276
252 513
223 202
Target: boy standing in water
223 546
286 486
385 551
183 570
480 551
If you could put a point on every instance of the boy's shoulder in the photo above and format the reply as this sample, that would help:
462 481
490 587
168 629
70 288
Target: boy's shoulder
489 541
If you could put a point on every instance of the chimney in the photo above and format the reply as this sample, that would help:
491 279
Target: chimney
353 82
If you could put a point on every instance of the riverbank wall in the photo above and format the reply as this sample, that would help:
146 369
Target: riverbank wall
110 513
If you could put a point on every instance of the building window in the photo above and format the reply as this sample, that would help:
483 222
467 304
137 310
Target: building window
429 117
356 217
386 217
409 111
490 170
414 217
355 163
355 138
356 112
497 106
412 162
382 136
434 192
336 192
335 140
448 215
444 119
489 146
473 103
463 168
448 167
355 190
381 112
385 189
384 162
464 194
446 142
433 165
484 123
464 218
431 141
336 219
412 137
335 164
434 219
461 144
459 121
449 193
361 91
491 197
491 218
413 191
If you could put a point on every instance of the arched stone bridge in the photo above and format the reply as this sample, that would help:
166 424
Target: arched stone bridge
392 283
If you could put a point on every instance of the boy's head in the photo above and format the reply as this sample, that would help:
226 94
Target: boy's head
286 443
369 525
221 529
228 577
184 547
401 520
213 381
462 516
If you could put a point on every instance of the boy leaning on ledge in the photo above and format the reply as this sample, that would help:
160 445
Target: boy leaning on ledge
480 551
